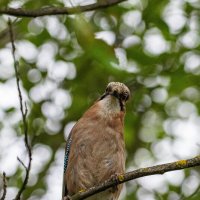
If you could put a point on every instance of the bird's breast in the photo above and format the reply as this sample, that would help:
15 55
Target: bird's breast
97 149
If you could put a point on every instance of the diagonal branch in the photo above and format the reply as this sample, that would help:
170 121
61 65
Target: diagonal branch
158 169
4 186
20 12
22 163
24 115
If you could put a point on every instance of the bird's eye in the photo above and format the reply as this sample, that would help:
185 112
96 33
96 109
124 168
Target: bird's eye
125 96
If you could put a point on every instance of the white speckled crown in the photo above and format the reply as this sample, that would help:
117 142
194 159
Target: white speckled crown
119 87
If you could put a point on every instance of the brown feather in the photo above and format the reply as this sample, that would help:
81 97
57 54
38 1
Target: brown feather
97 150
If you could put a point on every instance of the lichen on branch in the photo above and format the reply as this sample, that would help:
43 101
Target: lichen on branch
148 171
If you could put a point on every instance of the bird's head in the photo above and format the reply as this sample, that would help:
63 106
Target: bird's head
119 91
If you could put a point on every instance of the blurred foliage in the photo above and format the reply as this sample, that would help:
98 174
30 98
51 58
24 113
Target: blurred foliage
152 46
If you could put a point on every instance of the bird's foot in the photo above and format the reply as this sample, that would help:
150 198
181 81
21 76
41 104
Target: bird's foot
67 198
115 178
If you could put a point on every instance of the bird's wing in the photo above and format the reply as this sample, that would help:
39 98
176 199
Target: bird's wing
67 150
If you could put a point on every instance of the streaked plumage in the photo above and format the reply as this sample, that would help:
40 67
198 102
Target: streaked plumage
95 148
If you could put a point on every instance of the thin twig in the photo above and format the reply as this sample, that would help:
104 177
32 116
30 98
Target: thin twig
4 186
22 163
158 169
19 12
24 115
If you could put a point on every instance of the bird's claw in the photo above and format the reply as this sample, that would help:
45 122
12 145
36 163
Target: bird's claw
67 198
114 177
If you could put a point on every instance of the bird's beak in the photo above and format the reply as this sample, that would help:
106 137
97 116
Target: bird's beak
114 93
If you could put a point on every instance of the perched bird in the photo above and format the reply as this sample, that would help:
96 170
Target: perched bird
95 149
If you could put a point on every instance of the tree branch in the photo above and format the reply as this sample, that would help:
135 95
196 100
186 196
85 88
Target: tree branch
24 114
19 12
22 163
4 186
158 169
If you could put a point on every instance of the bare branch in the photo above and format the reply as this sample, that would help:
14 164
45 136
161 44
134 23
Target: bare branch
158 169
22 163
4 186
24 114
19 12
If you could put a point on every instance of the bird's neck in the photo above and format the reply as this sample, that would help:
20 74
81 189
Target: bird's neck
110 105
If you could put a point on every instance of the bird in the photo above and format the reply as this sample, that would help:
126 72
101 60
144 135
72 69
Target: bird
95 148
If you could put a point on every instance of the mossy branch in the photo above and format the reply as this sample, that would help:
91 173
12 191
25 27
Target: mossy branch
148 171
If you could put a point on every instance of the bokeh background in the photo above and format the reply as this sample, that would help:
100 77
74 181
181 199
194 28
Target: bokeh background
66 62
